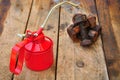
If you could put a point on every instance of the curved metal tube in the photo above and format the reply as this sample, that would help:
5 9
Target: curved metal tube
45 21
59 4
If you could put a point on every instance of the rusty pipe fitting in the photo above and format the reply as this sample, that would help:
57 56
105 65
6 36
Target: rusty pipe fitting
84 29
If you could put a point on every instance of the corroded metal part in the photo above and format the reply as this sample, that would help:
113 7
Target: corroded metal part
84 29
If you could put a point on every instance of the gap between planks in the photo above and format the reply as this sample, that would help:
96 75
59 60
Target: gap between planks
57 43
108 14
12 78
101 39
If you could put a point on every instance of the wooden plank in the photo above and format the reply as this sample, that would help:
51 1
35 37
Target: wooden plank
109 19
11 23
39 12
74 61
114 7
4 7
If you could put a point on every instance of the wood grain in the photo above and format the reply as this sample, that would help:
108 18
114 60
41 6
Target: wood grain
109 20
39 12
114 9
4 7
14 23
76 62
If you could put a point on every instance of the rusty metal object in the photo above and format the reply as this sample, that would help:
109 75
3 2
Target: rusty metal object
93 35
81 21
86 42
80 18
72 33
97 28
84 29
76 29
92 21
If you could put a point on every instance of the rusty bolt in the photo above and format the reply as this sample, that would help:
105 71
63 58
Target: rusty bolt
81 21
84 29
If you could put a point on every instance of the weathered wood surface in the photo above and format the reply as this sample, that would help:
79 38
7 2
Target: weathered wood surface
13 18
109 18
38 13
73 61
76 62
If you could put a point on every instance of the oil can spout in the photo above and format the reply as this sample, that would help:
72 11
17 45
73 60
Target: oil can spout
59 4
49 14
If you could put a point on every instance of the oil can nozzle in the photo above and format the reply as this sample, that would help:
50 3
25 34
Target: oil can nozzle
49 14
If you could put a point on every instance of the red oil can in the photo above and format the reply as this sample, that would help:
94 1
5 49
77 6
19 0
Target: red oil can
36 49
37 52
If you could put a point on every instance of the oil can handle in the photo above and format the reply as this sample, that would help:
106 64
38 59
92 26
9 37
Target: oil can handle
17 57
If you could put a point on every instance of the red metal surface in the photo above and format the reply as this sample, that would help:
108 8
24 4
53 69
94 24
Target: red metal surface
37 52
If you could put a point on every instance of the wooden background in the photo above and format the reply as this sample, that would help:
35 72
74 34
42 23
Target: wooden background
101 61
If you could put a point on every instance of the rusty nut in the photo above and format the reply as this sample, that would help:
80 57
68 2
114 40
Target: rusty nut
76 29
72 33
77 18
97 28
84 29
93 35
86 42
92 21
